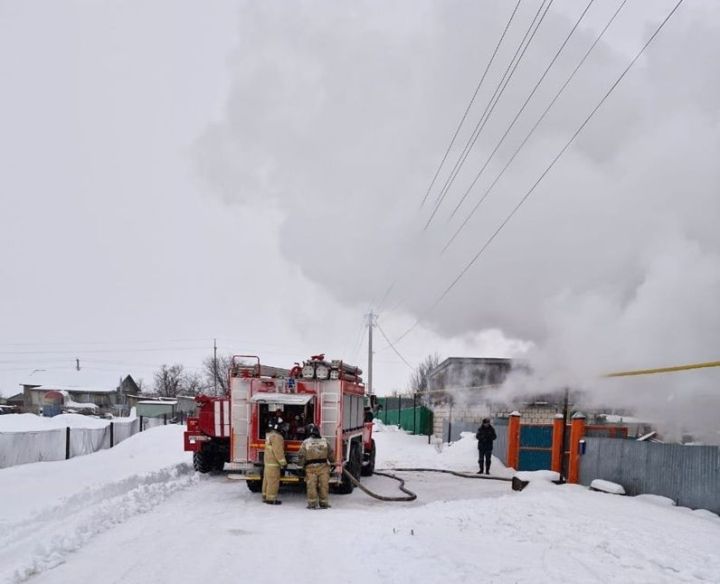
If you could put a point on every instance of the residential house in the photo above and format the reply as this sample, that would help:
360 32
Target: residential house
51 393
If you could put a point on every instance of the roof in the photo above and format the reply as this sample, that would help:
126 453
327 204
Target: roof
72 389
72 380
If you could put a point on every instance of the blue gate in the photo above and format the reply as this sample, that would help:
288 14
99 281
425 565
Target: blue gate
535 447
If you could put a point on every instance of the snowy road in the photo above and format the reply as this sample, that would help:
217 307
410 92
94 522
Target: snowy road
169 524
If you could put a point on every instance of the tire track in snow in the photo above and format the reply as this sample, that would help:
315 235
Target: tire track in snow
61 529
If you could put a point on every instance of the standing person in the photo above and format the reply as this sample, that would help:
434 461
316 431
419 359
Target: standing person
316 456
273 462
485 436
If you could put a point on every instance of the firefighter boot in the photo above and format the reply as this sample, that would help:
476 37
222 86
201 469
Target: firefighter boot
324 505
272 502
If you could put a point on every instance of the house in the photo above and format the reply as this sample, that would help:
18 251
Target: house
51 393
462 391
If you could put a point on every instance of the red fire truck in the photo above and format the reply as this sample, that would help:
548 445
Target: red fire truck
229 431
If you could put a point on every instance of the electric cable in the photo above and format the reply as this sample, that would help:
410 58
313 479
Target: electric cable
472 100
522 108
404 360
494 100
532 130
542 176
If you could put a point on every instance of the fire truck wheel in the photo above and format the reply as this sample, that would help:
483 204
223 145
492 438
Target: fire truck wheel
369 468
354 466
202 461
254 486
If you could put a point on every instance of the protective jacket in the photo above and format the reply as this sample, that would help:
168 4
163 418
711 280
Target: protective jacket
274 449
485 436
314 450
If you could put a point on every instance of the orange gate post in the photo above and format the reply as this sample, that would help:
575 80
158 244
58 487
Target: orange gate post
513 445
577 431
557 443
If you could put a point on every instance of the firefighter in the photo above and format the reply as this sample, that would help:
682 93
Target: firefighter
316 456
274 461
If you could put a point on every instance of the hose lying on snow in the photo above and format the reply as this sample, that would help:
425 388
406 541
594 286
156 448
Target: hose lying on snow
517 484
410 495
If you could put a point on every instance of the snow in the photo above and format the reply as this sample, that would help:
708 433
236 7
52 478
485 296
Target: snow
33 423
607 487
137 514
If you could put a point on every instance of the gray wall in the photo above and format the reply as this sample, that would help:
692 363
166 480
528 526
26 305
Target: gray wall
690 475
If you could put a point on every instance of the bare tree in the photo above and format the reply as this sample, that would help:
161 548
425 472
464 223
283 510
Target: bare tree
168 381
420 378
217 373
192 383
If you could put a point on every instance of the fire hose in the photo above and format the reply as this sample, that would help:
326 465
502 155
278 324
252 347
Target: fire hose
517 484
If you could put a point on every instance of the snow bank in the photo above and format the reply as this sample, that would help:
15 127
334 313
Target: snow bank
65 504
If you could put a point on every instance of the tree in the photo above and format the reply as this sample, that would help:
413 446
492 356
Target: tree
217 373
174 380
168 381
420 378
192 383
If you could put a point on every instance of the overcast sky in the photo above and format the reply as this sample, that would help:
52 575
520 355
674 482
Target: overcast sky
174 171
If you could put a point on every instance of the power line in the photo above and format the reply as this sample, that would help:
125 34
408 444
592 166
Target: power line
472 100
499 90
542 176
382 332
532 130
522 108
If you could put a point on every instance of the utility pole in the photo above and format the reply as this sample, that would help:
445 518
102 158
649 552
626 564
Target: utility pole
215 376
371 324
77 364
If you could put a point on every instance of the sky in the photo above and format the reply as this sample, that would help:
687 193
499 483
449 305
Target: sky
253 172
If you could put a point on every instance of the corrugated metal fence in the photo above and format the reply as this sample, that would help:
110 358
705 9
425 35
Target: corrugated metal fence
690 475
400 412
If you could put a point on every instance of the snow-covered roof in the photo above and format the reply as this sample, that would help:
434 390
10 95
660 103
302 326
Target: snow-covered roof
73 389
72 380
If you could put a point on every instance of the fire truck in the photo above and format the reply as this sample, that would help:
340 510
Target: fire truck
228 434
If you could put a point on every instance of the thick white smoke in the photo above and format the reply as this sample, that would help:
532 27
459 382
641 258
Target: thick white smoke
339 114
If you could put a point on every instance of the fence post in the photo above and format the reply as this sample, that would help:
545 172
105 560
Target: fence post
399 408
141 424
67 442
577 431
414 413
450 423
112 434
557 443
513 445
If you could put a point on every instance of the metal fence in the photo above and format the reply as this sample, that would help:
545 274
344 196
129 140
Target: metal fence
400 412
690 475
61 443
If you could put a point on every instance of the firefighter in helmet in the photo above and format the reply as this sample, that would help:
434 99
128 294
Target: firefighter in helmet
316 456
273 461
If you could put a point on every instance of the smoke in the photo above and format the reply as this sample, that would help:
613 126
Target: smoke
339 114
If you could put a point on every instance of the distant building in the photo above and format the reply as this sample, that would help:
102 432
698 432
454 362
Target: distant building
462 391
51 394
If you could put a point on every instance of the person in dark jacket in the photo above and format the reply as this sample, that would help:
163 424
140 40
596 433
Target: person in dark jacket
485 436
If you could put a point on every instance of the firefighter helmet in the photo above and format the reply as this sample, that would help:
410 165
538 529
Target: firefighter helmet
313 430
